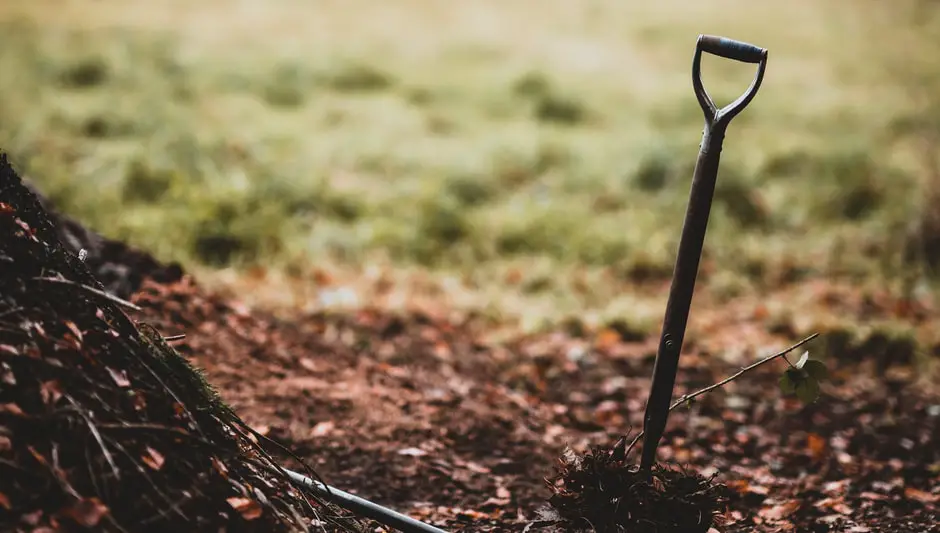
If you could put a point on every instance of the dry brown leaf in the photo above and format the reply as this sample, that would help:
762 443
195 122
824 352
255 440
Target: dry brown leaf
322 429
817 446
86 512
606 339
220 467
779 511
921 495
413 452
75 331
9 349
32 518
153 458
50 391
248 508
761 312
739 485
11 408
119 377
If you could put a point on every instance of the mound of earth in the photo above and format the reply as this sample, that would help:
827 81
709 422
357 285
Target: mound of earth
103 426
426 414
120 268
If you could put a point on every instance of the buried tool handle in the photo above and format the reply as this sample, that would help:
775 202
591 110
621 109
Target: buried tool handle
718 119
731 49
692 238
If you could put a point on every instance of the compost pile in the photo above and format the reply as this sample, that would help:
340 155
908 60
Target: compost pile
425 412
104 427
120 268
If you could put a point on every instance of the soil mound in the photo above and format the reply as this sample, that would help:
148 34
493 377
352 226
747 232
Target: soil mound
102 425
120 268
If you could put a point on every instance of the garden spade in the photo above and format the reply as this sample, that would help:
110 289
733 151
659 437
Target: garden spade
693 231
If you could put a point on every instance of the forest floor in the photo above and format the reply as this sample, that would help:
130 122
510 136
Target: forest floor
432 413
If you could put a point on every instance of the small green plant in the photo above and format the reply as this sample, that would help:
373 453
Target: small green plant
803 378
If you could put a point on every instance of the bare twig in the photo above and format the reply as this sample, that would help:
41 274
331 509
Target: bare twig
171 506
11 311
97 436
729 379
172 338
101 294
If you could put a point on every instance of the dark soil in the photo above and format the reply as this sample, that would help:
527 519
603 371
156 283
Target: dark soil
425 414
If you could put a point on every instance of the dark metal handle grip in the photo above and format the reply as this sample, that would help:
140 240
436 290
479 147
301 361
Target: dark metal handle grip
731 49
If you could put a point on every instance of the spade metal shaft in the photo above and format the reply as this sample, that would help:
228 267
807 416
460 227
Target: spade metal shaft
693 231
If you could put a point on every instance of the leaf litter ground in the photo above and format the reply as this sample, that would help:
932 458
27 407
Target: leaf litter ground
423 412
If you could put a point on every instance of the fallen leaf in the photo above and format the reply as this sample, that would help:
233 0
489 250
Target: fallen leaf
322 429
86 512
607 339
921 495
758 489
153 458
11 408
220 467
779 511
836 504
32 518
761 312
50 391
817 446
74 329
248 508
5 502
739 485
119 377
834 488
7 376
413 452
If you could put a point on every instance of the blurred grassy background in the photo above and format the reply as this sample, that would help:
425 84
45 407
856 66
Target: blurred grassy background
479 138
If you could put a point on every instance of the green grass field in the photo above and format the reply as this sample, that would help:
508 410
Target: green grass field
476 137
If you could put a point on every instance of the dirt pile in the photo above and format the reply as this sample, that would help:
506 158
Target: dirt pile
120 268
102 426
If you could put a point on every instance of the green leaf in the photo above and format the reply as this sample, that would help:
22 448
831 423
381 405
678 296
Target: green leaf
787 384
802 361
815 369
807 390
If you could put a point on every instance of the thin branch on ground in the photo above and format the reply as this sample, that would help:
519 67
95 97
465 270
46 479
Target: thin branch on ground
729 379
101 294
94 432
